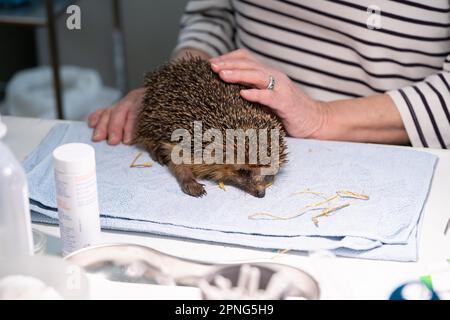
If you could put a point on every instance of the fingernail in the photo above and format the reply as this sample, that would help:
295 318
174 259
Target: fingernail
226 72
112 137
96 134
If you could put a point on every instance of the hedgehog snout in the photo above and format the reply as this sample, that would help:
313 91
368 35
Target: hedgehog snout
256 190
260 193
257 187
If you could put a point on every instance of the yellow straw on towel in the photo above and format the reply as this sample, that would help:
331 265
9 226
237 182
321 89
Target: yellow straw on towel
325 211
142 165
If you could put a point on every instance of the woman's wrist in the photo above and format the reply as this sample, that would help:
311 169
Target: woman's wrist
333 125
322 112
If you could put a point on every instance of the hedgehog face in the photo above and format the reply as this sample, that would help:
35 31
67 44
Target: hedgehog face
245 177
250 180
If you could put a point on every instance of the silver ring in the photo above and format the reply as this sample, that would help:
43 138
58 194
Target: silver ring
271 85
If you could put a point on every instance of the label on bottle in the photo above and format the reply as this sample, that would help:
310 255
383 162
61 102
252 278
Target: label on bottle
78 210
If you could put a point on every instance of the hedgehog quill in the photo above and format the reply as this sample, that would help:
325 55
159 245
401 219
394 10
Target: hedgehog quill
201 128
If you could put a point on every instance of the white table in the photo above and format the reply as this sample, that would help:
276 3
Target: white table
341 278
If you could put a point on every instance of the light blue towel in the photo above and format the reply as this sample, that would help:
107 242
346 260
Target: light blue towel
150 200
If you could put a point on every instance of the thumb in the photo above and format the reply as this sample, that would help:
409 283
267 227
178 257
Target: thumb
264 97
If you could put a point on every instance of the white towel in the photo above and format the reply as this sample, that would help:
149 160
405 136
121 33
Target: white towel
385 227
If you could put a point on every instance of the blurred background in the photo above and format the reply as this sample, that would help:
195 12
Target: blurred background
119 40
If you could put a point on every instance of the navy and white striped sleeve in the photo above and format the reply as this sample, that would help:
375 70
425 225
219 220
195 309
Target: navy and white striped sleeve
425 109
208 25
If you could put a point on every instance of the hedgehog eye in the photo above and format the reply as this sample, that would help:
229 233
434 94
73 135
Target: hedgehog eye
244 172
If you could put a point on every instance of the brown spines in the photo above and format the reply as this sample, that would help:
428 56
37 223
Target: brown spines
187 90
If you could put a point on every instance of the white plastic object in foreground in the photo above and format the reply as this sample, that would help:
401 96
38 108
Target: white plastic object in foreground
16 237
77 198
69 281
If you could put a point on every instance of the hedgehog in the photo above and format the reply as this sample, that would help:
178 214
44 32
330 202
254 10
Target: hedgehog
186 92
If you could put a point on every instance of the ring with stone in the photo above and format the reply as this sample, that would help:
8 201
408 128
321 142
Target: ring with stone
271 85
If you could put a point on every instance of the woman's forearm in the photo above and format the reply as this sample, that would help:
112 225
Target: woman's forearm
372 119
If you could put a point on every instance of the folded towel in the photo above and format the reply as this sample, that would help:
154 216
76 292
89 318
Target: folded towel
397 181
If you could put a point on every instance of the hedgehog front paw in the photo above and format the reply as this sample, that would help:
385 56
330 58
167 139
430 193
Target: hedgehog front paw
193 188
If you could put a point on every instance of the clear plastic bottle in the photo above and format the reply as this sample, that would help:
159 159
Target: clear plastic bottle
16 238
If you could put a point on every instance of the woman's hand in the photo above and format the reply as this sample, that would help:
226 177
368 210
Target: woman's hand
302 116
116 124
373 119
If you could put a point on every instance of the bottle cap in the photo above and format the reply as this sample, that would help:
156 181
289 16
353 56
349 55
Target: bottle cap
2 128
74 158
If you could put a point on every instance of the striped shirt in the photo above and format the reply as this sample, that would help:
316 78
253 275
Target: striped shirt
338 49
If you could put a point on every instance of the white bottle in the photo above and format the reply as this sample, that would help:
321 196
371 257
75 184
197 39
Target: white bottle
16 237
76 192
